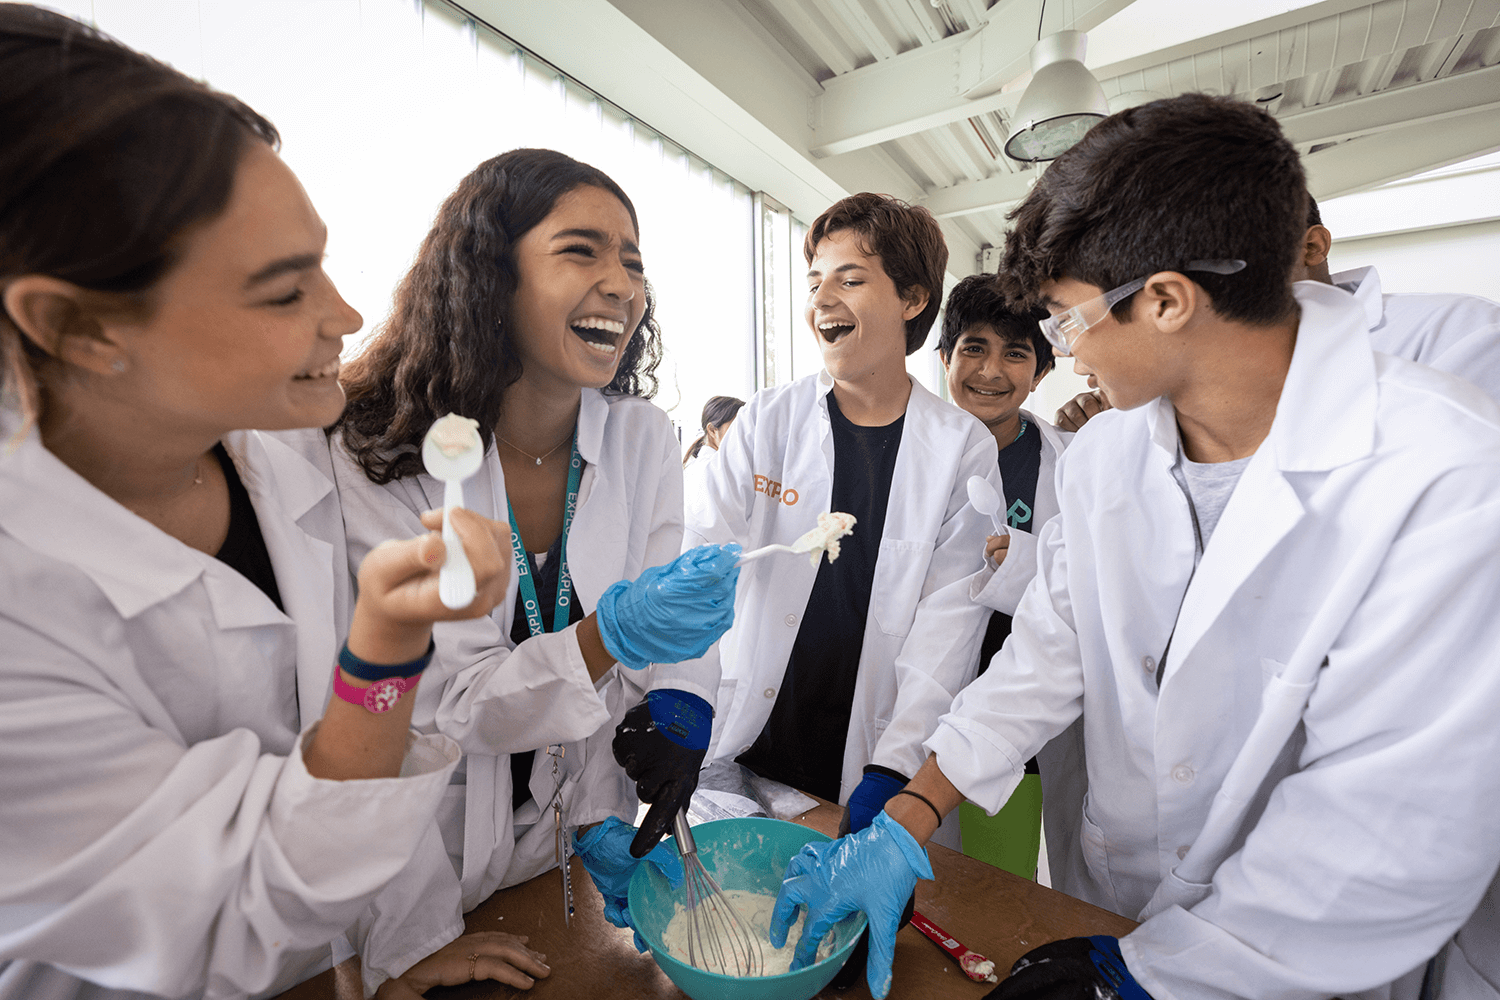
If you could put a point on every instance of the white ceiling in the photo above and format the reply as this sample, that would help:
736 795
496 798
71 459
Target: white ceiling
808 99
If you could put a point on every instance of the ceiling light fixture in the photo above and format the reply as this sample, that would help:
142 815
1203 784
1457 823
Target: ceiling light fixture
1062 102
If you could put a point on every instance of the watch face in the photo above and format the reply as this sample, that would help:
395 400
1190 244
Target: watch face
383 695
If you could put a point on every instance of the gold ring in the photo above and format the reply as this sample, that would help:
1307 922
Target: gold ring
473 960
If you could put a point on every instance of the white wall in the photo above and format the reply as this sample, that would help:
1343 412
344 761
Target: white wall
1453 259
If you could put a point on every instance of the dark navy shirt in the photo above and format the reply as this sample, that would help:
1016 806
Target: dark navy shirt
802 744
1020 464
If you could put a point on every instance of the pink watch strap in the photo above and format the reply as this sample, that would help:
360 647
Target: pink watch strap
379 697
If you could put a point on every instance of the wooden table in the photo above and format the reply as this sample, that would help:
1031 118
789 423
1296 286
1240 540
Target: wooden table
993 912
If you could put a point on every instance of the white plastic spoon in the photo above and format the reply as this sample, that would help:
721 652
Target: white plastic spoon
832 525
452 452
767 550
985 500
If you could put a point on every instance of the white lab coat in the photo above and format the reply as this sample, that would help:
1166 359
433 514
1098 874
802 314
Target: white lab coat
1310 805
1000 589
1061 762
1458 334
497 699
158 829
695 475
773 476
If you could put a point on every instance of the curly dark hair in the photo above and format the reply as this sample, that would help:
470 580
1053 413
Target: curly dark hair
448 345
108 157
1151 188
978 301
907 240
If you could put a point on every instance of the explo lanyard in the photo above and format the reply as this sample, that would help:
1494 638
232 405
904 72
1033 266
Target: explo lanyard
560 615
564 605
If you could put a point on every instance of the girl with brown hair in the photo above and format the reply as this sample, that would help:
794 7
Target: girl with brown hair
528 310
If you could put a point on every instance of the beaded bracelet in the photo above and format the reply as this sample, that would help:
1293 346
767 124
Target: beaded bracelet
367 671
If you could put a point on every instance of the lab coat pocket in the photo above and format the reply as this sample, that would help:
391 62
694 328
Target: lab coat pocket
1269 670
899 573
450 820
725 703
1280 693
1175 891
1096 856
724 709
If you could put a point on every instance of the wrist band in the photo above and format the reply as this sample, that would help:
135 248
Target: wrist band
379 697
925 801
367 671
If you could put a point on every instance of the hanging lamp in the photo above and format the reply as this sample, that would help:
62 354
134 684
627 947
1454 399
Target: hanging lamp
1062 102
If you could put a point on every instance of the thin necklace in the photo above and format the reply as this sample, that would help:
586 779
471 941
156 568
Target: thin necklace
535 458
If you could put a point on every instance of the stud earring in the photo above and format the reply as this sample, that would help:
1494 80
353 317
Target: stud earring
118 365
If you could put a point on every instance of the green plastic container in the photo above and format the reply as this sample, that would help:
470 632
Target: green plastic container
749 854
1010 839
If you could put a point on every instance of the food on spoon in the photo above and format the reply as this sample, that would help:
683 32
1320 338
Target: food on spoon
825 537
978 968
453 435
974 965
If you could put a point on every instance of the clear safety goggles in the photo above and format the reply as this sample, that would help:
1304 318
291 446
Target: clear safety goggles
1063 330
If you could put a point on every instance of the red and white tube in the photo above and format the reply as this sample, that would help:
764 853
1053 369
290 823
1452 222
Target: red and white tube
975 965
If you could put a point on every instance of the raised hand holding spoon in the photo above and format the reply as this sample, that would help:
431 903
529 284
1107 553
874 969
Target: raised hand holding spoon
452 452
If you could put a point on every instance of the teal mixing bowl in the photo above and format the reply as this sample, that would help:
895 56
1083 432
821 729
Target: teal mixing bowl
749 854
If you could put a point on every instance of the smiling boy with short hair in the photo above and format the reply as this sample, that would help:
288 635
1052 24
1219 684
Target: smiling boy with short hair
994 357
835 674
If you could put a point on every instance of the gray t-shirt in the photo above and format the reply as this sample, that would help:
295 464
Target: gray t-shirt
1208 487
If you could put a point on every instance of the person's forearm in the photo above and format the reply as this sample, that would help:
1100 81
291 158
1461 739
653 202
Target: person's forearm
914 814
353 742
596 657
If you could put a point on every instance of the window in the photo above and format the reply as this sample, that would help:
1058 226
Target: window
384 105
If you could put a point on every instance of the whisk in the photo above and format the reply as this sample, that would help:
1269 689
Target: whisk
719 939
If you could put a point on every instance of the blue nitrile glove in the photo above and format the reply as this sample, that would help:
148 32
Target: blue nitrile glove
661 743
605 853
868 798
671 613
1080 968
874 870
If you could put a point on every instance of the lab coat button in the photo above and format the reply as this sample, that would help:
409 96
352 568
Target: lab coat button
770 692
1182 852
1182 774
1148 664
790 620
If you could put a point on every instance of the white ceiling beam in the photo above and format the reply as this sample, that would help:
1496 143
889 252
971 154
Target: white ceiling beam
999 191
585 39
936 84
1231 36
1374 160
834 51
1434 101
853 16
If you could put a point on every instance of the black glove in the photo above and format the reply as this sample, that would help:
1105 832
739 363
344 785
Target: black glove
661 744
1077 968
